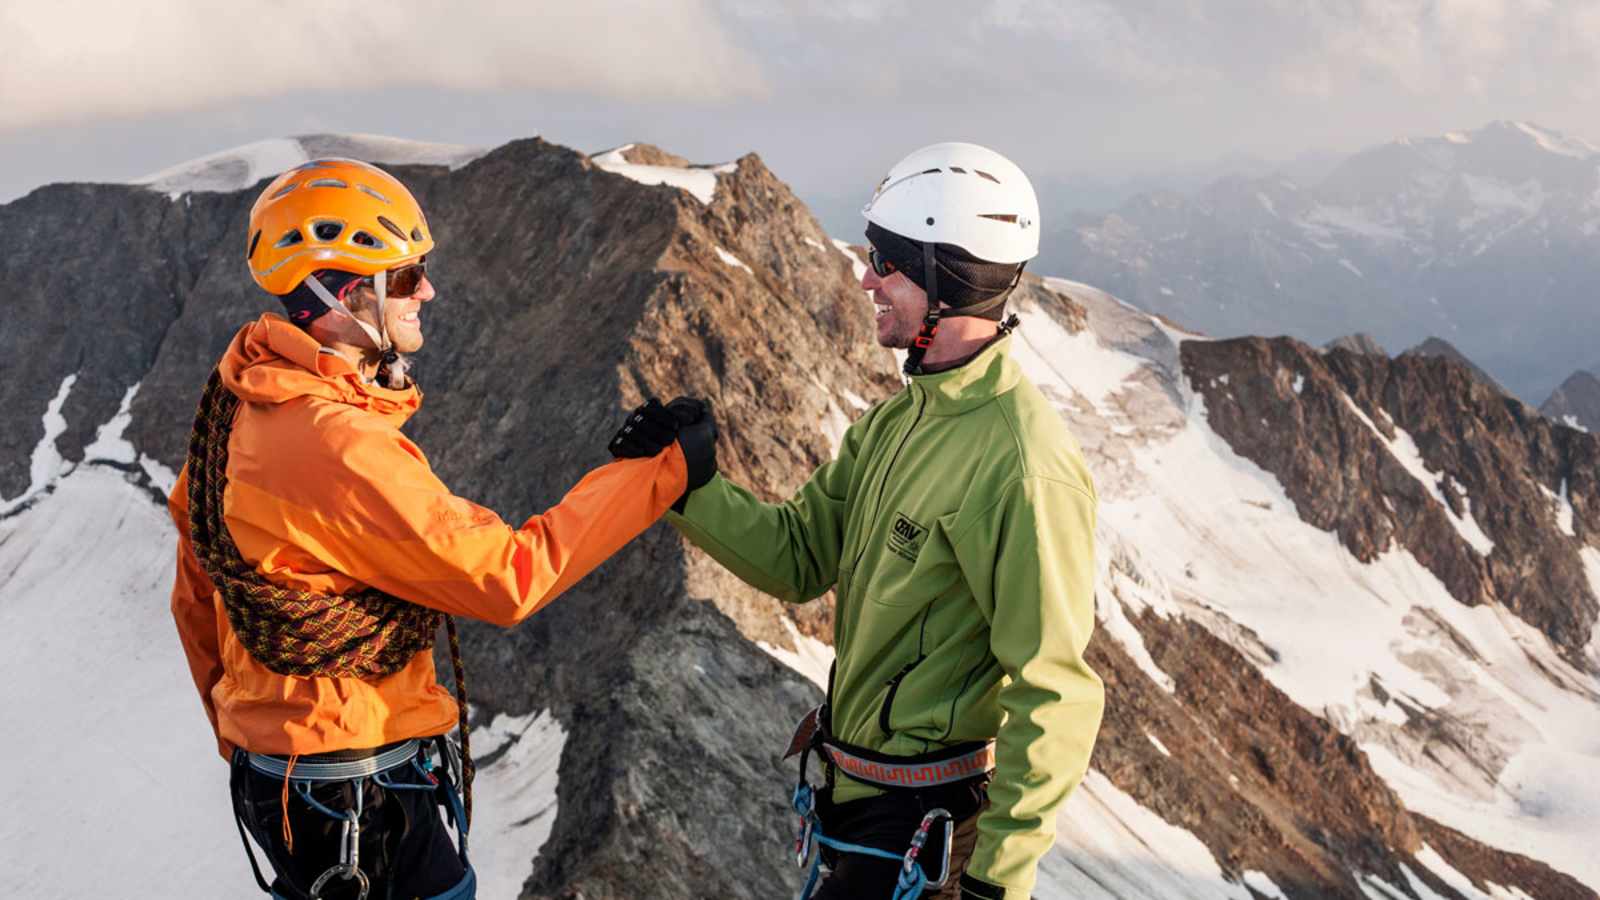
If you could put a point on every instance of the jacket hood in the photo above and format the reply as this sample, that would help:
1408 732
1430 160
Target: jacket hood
272 361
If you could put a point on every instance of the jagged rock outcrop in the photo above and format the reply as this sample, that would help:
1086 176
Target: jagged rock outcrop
1478 507
1435 346
1360 342
1576 403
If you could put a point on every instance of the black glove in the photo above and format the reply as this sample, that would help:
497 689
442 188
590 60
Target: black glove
697 435
648 430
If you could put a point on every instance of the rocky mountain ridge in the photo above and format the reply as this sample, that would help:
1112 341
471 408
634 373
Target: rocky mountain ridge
1576 403
572 286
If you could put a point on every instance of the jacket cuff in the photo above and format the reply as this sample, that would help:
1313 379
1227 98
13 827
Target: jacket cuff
973 888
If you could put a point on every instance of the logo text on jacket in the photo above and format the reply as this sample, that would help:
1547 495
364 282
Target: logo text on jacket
905 538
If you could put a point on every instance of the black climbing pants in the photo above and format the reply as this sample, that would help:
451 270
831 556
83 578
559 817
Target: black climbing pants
887 823
405 849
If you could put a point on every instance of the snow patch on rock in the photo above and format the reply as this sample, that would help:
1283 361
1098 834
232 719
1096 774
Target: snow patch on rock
1404 450
731 260
1108 847
511 828
46 464
241 167
700 182
811 657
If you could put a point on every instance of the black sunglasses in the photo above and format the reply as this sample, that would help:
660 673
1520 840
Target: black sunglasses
880 266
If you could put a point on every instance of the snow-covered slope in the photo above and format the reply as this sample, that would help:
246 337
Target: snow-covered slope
1224 546
241 167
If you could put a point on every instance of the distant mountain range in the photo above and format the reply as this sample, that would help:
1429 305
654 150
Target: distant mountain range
1486 238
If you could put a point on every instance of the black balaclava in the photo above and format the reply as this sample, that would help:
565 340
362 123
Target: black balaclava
972 286
303 307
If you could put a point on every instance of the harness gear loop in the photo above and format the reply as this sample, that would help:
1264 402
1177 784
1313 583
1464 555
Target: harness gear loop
366 634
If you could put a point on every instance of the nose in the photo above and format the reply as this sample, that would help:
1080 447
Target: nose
425 290
870 280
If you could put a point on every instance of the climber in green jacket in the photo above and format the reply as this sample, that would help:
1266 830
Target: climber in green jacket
956 527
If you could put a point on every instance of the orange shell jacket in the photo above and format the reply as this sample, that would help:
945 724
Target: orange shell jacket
325 494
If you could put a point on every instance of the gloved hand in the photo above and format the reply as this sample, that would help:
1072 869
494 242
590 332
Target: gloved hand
648 430
697 435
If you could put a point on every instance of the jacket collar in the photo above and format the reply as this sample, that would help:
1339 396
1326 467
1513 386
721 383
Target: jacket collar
271 360
986 376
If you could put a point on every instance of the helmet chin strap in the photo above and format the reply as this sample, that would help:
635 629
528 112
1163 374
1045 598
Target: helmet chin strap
380 335
930 321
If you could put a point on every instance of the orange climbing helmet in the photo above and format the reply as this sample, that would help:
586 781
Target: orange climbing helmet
333 214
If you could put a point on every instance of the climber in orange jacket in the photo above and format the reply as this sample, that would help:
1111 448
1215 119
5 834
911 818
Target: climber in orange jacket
317 549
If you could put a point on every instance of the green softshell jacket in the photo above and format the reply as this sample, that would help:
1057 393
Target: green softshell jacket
956 526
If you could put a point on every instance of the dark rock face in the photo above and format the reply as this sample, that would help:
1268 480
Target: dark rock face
1325 424
95 275
1576 402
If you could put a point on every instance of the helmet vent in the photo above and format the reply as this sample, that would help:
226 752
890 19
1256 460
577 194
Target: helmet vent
982 174
327 182
372 193
393 228
284 191
1000 217
254 240
365 239
290 238
931 171
327 231
416 233
958 170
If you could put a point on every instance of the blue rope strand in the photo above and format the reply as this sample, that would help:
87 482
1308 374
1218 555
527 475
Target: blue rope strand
911 883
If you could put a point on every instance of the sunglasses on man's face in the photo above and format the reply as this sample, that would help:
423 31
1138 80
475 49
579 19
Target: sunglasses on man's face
404 281
880 266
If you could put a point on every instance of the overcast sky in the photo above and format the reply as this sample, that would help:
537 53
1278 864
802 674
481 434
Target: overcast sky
829 93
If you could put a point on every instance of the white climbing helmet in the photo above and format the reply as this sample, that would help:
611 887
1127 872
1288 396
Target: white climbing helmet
960 194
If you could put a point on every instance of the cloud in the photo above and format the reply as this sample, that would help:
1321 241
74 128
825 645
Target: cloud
75 60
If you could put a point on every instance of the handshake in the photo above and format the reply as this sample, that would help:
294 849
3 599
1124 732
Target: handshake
652 428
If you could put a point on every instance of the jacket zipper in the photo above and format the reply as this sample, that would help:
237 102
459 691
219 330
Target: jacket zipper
888 699
894 683
882 486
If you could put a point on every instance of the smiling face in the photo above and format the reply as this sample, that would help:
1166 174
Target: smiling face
402 315
900 305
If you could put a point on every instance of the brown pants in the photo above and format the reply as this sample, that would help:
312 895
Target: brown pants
888 823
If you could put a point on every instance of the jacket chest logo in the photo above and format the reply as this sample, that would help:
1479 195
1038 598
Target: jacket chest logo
905 538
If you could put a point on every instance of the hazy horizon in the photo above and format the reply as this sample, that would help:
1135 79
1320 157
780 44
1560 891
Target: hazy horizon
1083 92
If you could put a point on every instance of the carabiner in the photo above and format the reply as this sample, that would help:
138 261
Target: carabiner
920 839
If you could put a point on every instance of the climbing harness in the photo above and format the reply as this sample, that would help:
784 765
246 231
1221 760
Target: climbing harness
955 764
389 770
